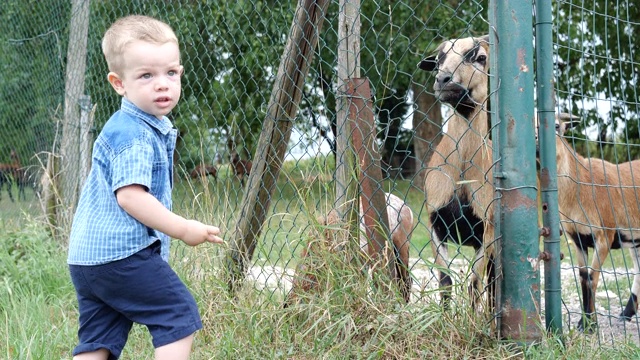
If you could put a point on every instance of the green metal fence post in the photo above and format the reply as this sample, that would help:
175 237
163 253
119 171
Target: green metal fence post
515 175
548 174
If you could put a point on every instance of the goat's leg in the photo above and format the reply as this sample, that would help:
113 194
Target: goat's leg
9 186
477 273
403 278
632 305
441 254
21 192
583 271
590 283
481 262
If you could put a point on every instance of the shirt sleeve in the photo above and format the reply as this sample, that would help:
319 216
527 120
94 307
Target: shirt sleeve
133 165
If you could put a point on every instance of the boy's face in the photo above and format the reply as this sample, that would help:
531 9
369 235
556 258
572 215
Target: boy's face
150 78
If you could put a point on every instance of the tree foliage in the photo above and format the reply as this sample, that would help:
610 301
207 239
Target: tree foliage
231 51
33 38
229 55
598 73
395 37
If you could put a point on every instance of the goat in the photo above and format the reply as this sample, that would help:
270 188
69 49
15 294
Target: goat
5 179
22 180
599 209
458 180
241 168
204 171
13 173
400 225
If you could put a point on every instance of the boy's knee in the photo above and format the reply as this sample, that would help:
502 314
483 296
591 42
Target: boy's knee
177 350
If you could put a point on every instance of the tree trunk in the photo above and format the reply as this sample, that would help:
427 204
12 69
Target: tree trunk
346 202
427 123
74 88
276 131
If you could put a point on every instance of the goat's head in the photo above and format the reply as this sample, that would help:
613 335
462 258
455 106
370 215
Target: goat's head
564 121
462 67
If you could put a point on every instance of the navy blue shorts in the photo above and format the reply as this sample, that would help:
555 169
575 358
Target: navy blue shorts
142 289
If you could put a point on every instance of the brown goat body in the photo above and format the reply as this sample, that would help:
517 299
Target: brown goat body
13 173
599 208
332 238
241 167
204 171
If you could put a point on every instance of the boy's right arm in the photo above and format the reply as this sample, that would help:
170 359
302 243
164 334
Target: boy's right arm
144 207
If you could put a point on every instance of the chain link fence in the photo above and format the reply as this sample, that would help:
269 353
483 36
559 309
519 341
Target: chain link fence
231 52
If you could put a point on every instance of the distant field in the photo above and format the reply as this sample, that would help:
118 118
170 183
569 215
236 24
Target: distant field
305 189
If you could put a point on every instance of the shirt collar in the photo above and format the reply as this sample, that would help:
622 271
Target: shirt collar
163 126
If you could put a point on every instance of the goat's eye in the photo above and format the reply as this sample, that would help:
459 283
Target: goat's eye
482 59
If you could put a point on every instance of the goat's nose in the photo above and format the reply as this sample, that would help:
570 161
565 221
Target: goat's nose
443 78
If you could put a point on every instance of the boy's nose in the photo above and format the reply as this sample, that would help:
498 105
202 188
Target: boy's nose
161 83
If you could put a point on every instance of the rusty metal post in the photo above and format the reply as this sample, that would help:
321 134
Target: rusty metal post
548 173
515 173
373 199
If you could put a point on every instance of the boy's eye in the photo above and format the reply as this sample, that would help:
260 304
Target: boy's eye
172 73
146 76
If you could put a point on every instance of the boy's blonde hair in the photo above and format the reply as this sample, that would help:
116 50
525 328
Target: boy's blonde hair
132 28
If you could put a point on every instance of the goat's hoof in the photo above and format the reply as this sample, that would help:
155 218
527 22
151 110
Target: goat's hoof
625 317
587 326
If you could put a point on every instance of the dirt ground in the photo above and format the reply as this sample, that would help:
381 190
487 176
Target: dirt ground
611 328
609 304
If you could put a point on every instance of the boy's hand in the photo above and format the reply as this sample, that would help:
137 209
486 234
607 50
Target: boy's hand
197 233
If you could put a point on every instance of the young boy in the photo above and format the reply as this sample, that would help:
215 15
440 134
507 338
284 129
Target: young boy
119 243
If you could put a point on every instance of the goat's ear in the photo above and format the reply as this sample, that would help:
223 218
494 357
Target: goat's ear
571 124
430 63
567 116
484 38
569 120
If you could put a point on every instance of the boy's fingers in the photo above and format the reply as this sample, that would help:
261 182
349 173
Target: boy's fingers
214 230
215 239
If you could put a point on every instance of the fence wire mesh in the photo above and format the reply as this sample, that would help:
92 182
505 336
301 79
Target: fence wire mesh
596 72
231 52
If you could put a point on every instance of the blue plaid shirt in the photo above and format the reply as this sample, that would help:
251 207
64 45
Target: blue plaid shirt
132 148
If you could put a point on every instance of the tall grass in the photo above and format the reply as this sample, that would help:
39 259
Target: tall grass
343 318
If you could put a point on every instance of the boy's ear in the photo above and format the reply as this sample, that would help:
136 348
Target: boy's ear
181 70
116 83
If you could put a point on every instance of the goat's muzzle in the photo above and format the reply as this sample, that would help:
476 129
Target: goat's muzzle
456 95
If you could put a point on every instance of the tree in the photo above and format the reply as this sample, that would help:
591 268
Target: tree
597 60
228 49
396 35
33 40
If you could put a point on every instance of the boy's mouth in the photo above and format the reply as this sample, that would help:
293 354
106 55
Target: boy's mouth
163 100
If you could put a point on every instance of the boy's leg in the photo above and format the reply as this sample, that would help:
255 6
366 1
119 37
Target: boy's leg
175 351
102 354
155 296
144 289
103 331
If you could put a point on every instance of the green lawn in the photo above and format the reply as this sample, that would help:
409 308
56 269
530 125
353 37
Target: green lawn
347 319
